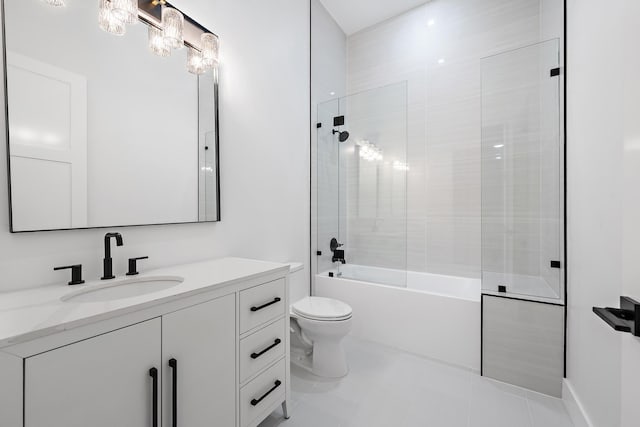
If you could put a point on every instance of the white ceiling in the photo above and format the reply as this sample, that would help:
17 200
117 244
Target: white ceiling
355 15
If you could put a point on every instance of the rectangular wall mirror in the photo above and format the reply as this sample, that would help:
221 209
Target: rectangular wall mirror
101 131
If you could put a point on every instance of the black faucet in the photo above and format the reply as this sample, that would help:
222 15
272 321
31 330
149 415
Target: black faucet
338 254
108 262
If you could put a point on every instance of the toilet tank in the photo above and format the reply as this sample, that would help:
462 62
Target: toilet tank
298 282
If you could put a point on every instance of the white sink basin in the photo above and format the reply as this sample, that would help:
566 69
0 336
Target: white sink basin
125 288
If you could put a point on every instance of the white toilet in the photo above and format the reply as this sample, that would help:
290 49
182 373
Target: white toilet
322 323
318 326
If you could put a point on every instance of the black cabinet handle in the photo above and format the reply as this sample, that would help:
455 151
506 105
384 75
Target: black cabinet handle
275 343
277 384
173 363
153 373
275 300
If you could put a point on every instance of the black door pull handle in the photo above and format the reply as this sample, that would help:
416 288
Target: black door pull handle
153 373
277 384
173 363
275 300
275 343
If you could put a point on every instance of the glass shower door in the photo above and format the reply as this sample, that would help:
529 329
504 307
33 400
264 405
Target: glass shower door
327 186
362 185
522 173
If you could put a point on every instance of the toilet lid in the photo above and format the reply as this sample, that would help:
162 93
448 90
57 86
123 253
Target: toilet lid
320 308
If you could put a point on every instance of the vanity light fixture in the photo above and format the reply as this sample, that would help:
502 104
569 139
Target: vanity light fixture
157 42
55 3
168 29
210 47
369 152
108 20
400 166
195 62
173 27
125 10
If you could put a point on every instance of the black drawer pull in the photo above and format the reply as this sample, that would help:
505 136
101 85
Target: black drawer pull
173 364
153 373
275 300
275 343
277 384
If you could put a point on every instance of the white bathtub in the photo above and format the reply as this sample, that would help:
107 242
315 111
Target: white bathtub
431 315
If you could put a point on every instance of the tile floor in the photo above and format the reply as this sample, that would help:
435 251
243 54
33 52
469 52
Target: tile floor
390 388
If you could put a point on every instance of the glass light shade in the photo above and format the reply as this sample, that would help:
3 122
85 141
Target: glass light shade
210 50
55 3
108 21
195 64
157 42
173 24
125 10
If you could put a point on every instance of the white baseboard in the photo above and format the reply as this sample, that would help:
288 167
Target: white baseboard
574 406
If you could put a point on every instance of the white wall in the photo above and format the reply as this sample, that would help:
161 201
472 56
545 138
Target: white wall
631 212
603 211
264 156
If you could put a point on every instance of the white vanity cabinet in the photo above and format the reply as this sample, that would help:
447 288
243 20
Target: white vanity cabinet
264 350
214 358
101 382
199 351
107 381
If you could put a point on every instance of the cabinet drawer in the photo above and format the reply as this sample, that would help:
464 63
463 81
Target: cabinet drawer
261 349
260 394
262 303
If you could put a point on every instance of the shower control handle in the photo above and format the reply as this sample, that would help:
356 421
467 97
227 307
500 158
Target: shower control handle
338 254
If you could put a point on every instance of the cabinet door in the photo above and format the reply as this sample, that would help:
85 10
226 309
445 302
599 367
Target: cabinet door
100 382
201 340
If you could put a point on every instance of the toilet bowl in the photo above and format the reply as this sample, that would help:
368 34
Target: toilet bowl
318 327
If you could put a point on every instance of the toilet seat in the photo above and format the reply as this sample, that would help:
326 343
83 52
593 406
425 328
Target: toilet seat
322 309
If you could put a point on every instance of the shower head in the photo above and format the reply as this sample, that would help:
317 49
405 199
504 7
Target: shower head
342 136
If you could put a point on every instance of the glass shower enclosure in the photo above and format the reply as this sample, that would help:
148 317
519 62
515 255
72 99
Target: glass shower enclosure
522 179
361 187
362 167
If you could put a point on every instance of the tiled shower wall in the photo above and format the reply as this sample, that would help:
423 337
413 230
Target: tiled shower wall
437 49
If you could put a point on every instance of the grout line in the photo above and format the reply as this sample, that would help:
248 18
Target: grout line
529 411
470 401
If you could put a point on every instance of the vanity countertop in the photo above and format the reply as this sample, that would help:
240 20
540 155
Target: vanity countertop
33 313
